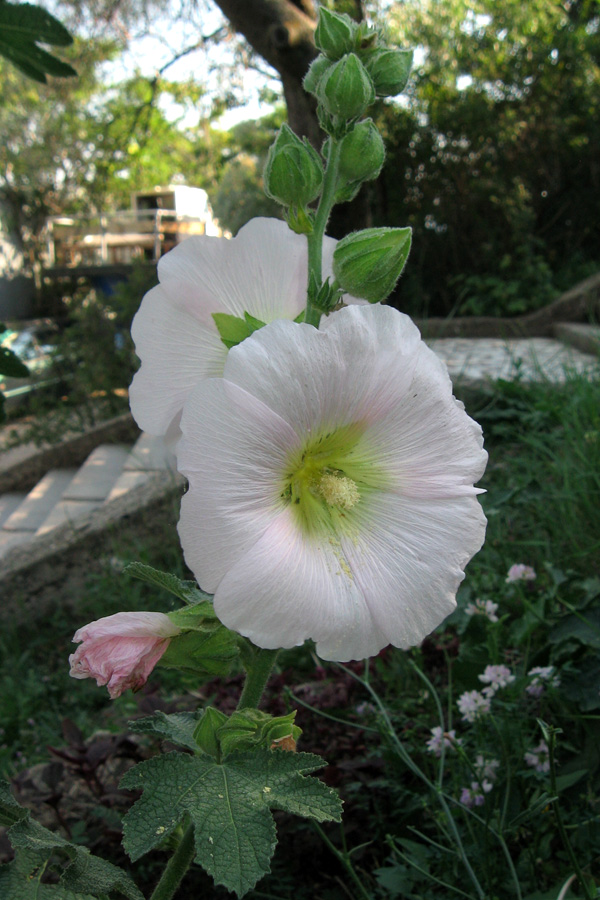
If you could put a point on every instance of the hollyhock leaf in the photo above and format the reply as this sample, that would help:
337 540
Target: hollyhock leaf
175 727
83 876
10 811
229 805
333 473
188 591
11 365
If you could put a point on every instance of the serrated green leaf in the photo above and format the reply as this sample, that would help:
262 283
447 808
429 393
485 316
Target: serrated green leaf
188 591
10 811
85 877
19 881
178 728
11 365
229 805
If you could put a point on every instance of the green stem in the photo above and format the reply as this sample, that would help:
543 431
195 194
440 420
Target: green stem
315 238
176 868
257 676
559 822
345 861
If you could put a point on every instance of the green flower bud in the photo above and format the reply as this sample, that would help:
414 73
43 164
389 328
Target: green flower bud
293 172
335 33
362 153
389 70
317 69
368 263
345 90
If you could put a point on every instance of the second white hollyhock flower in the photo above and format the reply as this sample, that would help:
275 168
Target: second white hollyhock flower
262 271
331 487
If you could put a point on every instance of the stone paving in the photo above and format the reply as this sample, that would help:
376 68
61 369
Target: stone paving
473 362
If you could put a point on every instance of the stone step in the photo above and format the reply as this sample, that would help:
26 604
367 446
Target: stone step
584 337
67 512
150 453
97 476
39 502
8 504
10 539
126 481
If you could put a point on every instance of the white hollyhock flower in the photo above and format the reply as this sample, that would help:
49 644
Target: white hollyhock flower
262 271
331 488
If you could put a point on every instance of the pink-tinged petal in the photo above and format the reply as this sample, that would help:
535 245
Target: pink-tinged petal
177 349
263 271
231 447
409 559
425 440
120 651
287 589
333 376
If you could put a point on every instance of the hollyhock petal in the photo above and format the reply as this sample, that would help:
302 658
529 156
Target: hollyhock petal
120 651
321 504
235 510
286 589
409 560
262 271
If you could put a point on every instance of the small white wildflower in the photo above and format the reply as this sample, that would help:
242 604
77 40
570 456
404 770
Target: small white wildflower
542 677
483 608
486 768
475 795
496 677
539 758
520 572
439 737
473 705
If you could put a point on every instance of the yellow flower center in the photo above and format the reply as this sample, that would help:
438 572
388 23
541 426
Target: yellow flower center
327 478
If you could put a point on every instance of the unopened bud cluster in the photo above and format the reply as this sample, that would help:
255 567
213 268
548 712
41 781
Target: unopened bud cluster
351 71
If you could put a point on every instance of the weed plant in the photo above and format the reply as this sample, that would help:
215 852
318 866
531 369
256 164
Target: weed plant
459 780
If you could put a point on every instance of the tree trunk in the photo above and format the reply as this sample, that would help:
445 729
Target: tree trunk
282 32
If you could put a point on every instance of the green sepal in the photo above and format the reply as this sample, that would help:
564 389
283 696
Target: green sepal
82 875
335 33
233 329
205 733
211 651
11 365
389 70
316 70
300 220
368 263
187 591
293 172
229 806
346 90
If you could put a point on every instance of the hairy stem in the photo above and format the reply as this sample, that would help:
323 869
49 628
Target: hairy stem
176 868
315 238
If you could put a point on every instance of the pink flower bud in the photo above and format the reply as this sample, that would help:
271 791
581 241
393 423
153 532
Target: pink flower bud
120 651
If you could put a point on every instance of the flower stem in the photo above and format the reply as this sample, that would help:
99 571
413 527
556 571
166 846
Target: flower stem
315 238
344 859
559 822
257 675
176 868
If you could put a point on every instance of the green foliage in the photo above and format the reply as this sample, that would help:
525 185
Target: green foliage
38 851
496 153
22 27
233 329
10 365
229 805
